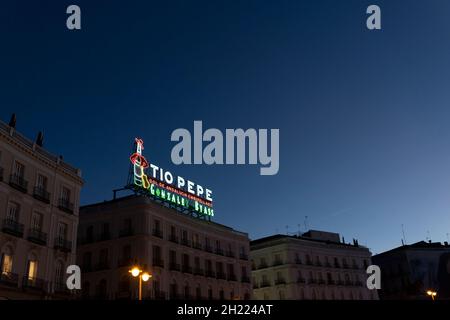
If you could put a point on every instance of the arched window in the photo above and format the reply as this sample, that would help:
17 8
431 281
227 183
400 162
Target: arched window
221 294
6 262
210 293
187 291
85 291
198 292
174 290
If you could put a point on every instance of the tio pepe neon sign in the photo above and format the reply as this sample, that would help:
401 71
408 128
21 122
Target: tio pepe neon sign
163 185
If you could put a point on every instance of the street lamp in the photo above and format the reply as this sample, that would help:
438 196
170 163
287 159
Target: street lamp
432 294
143 276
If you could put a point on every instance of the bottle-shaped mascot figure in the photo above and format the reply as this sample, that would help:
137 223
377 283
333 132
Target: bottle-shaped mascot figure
139 164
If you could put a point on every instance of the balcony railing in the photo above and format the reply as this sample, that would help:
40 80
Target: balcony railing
9 279
37 236
197 245
265 284
348 283
312 281
41 194
245 279
219 251
158 233
280 281
158 263
174 267
208 248
277 263
210 274
186 269
327 264
65 205
185 242
173 238
321 281
198 272
63 244
221 275
105 236
243 256
331 282
309 263
231 277
301 280
262 265
124 262
33 283
102 265
298 261
13 227
18 182
61 287
229 254
126 232
340 283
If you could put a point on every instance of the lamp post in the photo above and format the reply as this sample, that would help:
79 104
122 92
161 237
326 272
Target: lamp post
143 276
432 294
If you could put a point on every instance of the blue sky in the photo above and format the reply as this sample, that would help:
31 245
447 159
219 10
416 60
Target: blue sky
363 116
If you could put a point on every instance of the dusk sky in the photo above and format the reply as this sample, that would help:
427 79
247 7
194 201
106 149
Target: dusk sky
364 116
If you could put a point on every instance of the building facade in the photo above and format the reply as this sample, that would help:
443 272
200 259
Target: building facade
409 271
314 266
188 258
39 201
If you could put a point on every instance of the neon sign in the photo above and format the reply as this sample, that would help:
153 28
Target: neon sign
163 185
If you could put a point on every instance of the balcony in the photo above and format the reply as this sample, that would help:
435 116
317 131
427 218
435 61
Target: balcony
185 242
265 284
312 281
245 279
221 276
197 245
65 205
321 282
13 228
340 283
9 279
210 274
208 248
219 251
105 236
298 261
328 265
37 236
231 277
41 194
198 272
243 256
277 263
301 280
61 288
337 265
348 283
158 263
186 269
173 238
280 281
159 295
331 282
345 266
18 182
33 283
102 265
158 233
262 265
318 263
124 262
309 263
174 267
229 254
63 244
126 232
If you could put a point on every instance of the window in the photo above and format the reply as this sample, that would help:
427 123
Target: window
32 269
127 224
173 231
41 182
222 294
59 273
19 169
157 225
105 231
65 194
6 265
244 271
156 253
210 293
62 231
126 252
13 212
87 261
36 221
185 235
197 263
103 257
186 260
198 292
90 234
187 291
172 257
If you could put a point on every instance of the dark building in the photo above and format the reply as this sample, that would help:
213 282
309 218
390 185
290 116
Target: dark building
409 271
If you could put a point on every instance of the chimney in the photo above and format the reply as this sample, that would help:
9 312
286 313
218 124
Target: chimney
40 139
12 121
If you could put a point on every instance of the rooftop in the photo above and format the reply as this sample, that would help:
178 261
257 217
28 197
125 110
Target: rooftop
421 245
34 148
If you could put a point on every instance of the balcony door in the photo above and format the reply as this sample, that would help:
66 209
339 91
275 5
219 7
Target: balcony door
32 269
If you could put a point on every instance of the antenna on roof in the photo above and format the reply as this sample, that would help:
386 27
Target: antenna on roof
306 223
428 236
287 230
12 121
403 233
